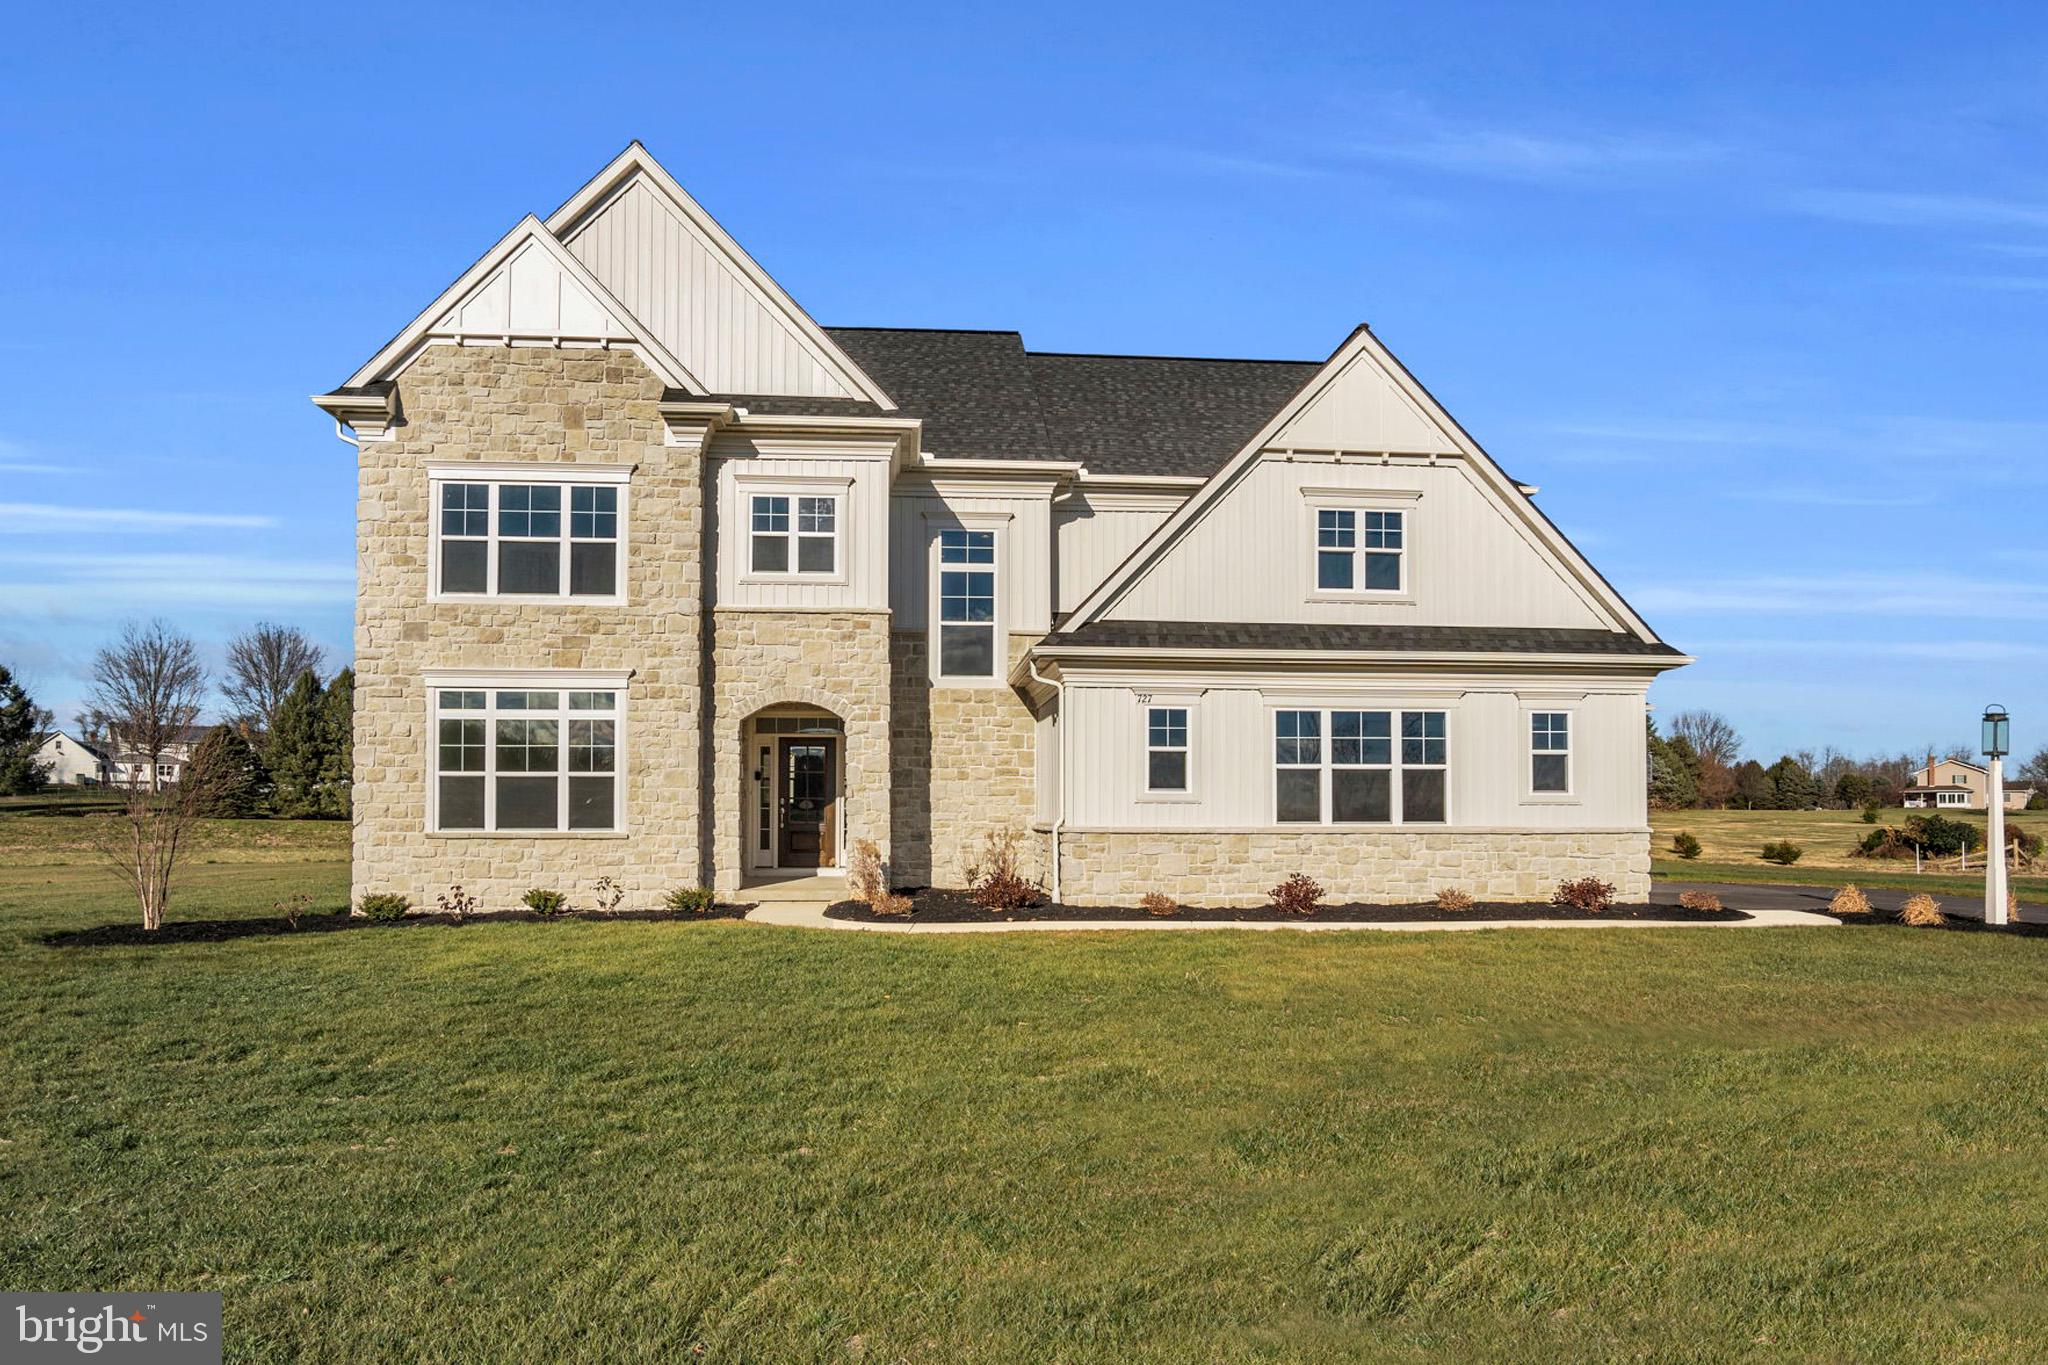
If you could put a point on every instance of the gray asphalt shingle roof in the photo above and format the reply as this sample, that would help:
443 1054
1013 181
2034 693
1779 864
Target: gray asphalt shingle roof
1334 638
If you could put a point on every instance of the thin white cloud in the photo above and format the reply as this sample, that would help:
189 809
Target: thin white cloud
1932 651
1829 497
38 516
1911 436
90 583
2005 284
1886 208
1900 596
1515 154
25 467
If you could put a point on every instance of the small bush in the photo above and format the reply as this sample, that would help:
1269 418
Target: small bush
1849 901
995 880
1922 911
1451 898
1686 845
1157 903
864 875
293 907
1783 852
384 905
690 900
1942 837
1300 894
607 894
543 901
1587 893
891 904
1870 813
1699 900
457 903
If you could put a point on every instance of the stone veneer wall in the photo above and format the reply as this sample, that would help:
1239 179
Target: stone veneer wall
838 660
544 407
1208 868
965 764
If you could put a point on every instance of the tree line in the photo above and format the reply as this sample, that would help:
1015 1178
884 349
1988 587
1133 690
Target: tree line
1698 763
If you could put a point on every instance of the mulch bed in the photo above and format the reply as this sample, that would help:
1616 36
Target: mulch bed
223 930
940 906
1879 919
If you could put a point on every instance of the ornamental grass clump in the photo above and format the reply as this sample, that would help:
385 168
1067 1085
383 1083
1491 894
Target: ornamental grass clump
1589 894
1157 903
1300 894
1451 898
1850 900
869 881
1922 911
1699 900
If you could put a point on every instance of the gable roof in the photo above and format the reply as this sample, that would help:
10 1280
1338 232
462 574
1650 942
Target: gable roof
1414 401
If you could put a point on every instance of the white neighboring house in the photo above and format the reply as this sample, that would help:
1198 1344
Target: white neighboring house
68 761
129 765
1955 784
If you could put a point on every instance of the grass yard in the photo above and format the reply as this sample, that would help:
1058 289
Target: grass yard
1731 842
585 1141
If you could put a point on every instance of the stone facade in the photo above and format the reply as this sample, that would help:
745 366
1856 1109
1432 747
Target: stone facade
545 407
1392 866
838 661
965 765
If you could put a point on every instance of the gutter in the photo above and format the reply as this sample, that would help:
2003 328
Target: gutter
1059 813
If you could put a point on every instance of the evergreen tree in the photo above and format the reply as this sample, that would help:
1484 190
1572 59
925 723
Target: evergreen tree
226 775
1854 790
296 752
23 727
1754 789
1672 783
337 743
1792 785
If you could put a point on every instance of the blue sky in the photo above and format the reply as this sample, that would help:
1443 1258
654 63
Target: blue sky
1756 295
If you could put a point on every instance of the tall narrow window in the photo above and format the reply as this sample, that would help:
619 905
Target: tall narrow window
558 539
1298 765
1550 750
526 760
1166 749
529 538
1336 549
967 604
1361 767
793 534
593 541
465 537
1424 767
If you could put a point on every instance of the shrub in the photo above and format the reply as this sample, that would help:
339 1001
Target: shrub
1922 911
607 893
1686 845
292 907
1870 813
1939 836
1587 893
1157 903
1699 900
690 900
384 905
456 902
543 901
1783 852
1849 901
869 880
1300 894
1451 898
995 880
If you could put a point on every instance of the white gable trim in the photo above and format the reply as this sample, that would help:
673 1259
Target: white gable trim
1508 496
432 325
637 162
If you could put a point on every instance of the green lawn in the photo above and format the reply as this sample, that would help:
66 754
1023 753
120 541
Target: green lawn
1731 850
623 1141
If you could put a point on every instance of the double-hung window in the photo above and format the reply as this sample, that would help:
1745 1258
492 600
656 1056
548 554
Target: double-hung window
1550 752
1166 749
967 604
794 534
521 759
1361 549
520 538
1346 767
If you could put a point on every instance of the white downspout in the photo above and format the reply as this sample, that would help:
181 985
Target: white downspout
341 434
1059 812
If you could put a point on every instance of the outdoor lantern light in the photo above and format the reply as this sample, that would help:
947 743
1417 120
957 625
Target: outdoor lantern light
1997 732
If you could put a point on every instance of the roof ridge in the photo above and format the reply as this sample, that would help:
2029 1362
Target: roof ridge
949 331
1193 359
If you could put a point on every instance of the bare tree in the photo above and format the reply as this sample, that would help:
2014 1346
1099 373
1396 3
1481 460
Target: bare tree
1710 735
149 686
263 663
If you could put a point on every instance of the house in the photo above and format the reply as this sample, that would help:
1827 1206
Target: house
131 765
68 761
662 580
1954 783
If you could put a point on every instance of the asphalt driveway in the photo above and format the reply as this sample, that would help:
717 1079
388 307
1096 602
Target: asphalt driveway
1749 896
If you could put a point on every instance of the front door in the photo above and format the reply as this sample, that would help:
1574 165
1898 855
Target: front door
807 790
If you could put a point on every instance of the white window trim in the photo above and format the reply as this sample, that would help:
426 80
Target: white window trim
999 523
496 474
536 680
1361 500
747 487
1326 750
1143 703
1570 795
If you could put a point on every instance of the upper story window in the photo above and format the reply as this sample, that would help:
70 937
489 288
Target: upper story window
966 597
1360 549
528 760
1166 749
793 533
526 539
1550 751
1342 767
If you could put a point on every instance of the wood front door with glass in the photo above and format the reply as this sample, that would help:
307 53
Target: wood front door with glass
807 795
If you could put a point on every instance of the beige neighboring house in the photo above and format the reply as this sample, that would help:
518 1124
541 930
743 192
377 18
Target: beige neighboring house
68 761
1954 784
663 581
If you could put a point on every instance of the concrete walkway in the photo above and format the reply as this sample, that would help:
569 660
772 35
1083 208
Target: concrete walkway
811 915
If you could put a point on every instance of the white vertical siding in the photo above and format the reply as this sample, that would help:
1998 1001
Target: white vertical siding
1250 556
863 522
1090 541
1023 551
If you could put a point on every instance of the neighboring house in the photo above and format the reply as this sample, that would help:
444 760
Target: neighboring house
132 766
68 761
1952 783
661 580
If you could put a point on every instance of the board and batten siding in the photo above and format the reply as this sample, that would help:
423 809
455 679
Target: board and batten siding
685 289
1231 741
1023 526
862 486
1251 556
1092 537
